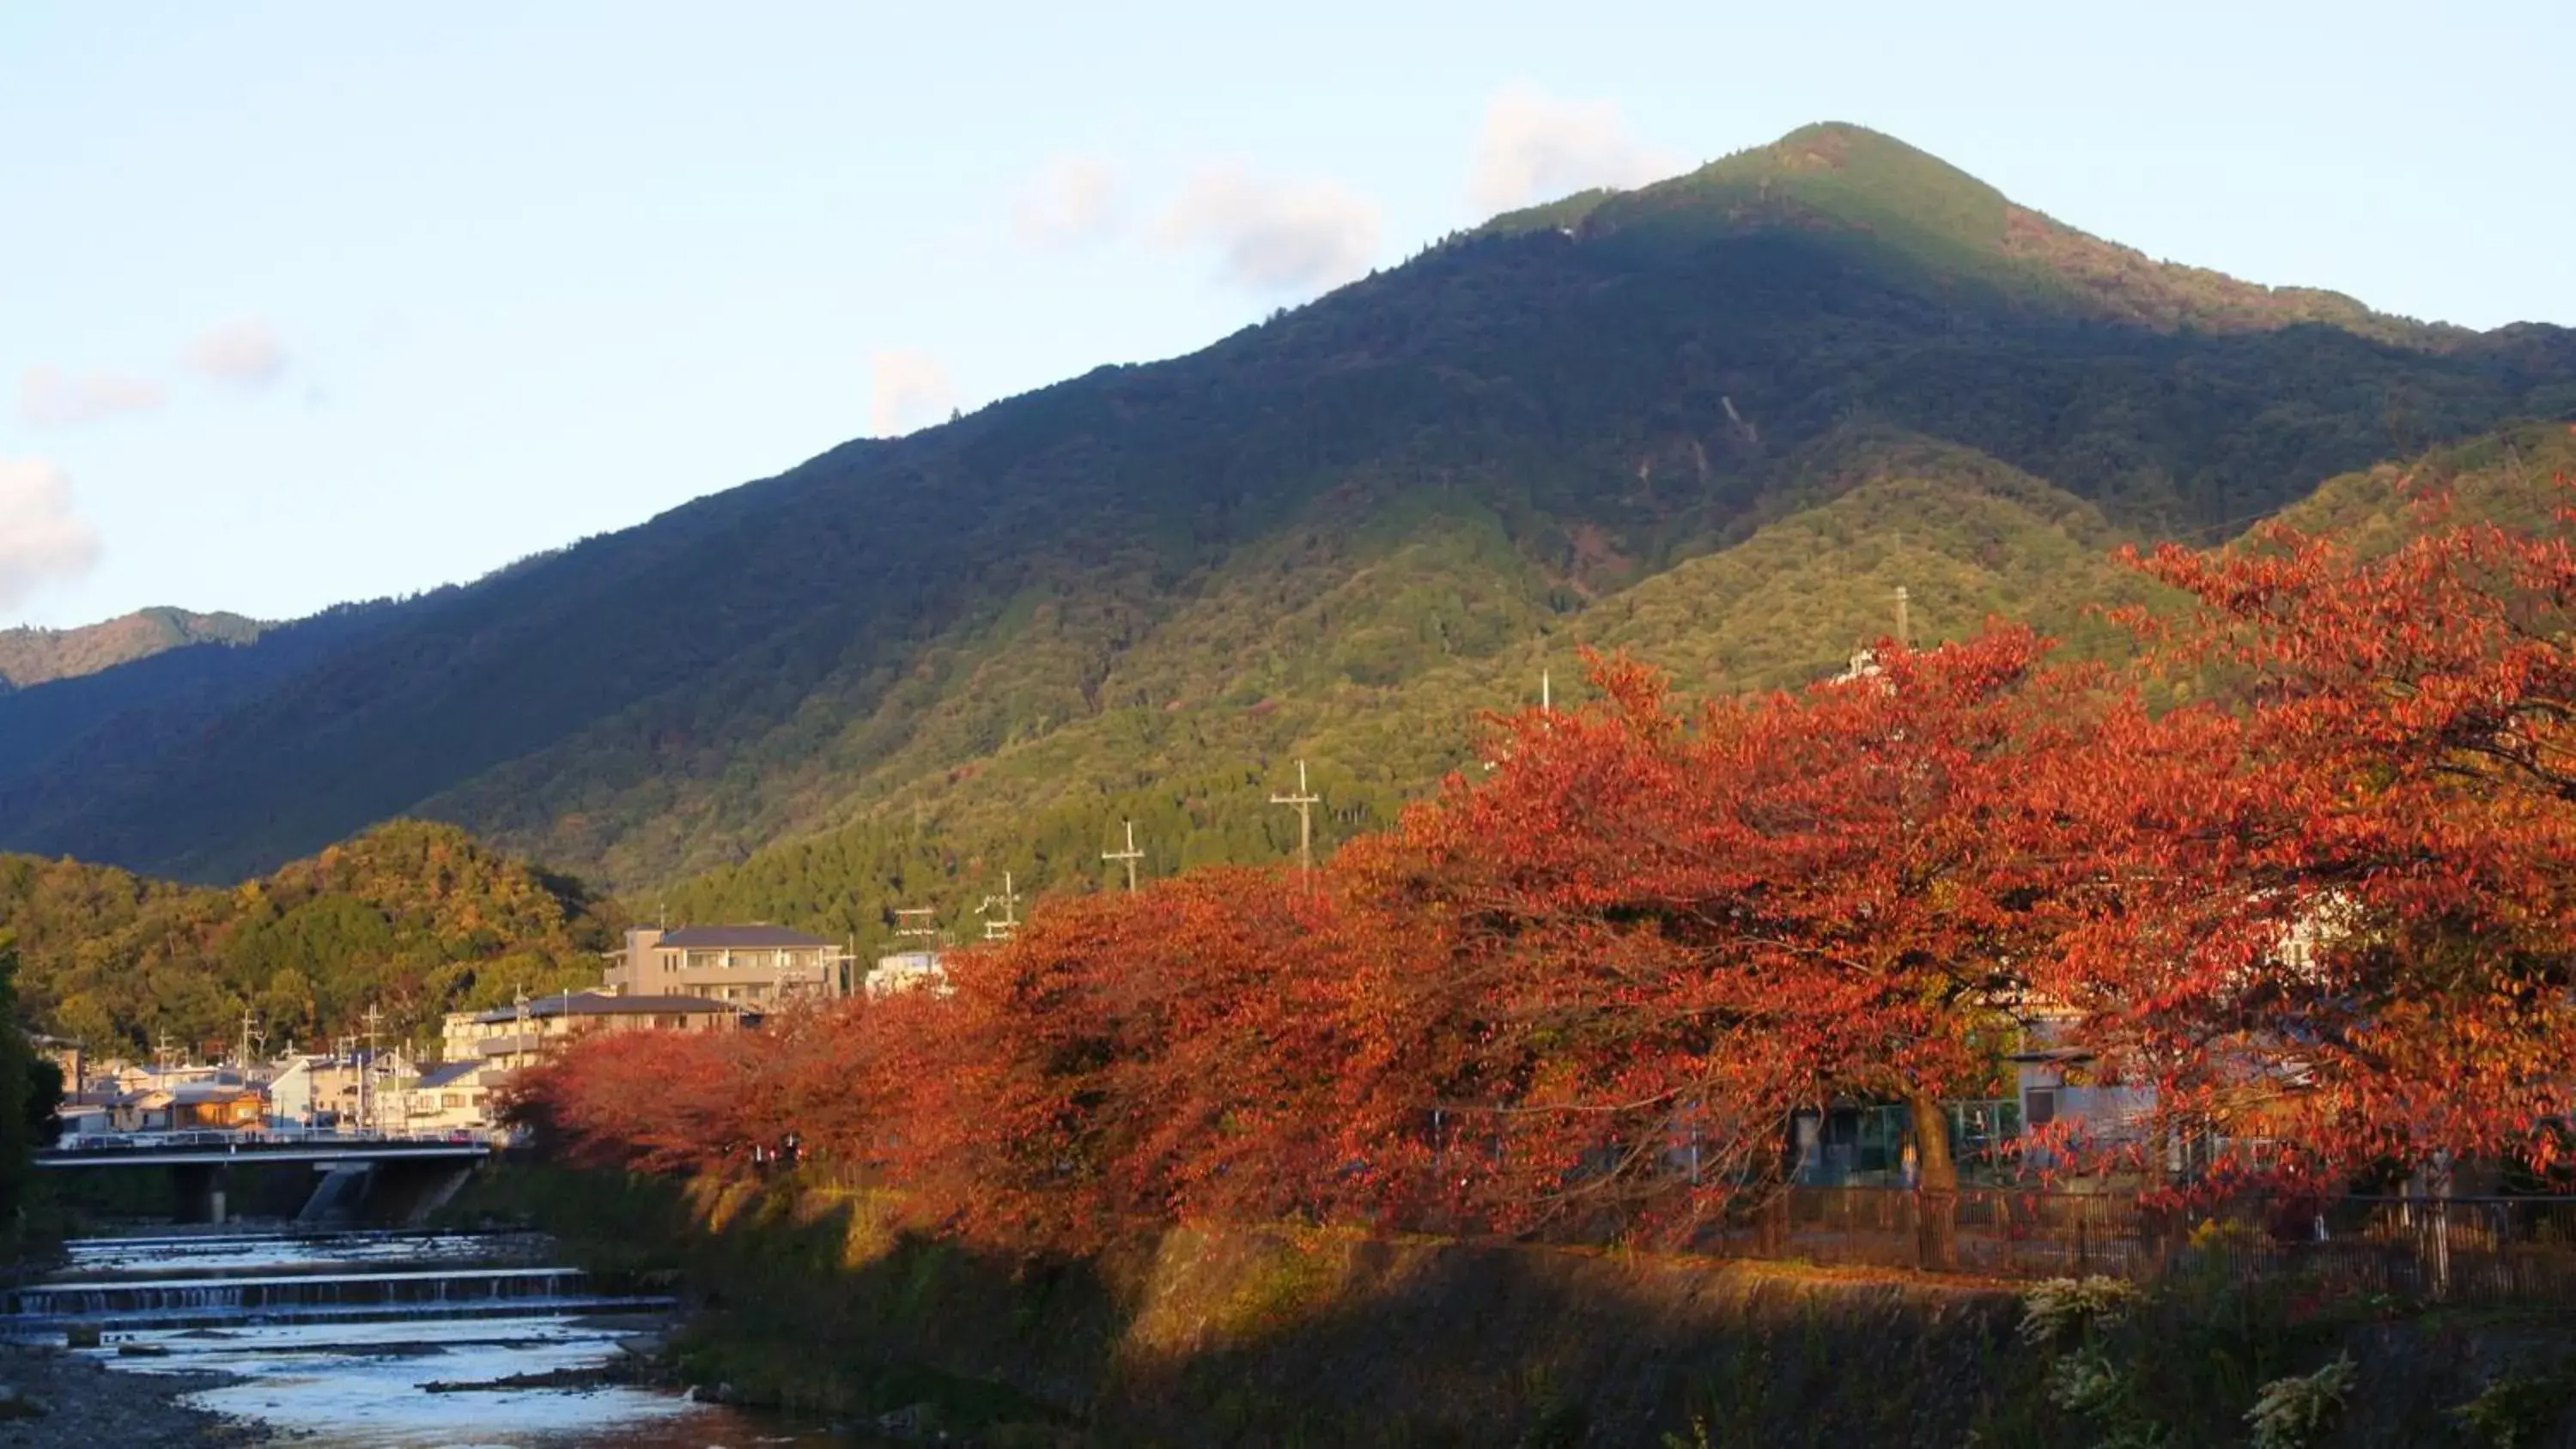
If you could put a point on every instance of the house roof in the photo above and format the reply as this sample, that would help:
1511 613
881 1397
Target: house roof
189 1094
717 937
447 1074
593 1003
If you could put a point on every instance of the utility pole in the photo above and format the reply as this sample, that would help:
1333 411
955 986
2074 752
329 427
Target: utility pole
370 1101
999 928
1904 620
1304 803
344 1050
1546 694
1127 857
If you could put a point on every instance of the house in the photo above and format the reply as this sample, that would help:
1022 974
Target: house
449 1097
763 964
906 971
82 1119
190 1106
507 1038
2056 1112
321 1091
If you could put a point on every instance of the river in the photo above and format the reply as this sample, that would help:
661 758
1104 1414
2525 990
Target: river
337 1340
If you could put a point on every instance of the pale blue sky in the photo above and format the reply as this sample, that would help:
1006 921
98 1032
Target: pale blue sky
310 302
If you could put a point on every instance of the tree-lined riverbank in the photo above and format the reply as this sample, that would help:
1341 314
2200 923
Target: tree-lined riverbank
814 1297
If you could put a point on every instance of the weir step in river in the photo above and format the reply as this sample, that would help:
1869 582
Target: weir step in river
335 1339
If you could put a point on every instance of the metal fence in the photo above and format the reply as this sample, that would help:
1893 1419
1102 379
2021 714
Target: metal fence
2457 1249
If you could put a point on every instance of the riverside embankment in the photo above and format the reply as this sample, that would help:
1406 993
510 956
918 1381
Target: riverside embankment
809 1296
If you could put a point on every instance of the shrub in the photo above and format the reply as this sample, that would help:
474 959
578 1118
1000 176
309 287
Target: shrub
2291 1412
2061 1309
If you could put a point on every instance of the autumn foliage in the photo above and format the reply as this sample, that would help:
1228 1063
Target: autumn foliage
2322 906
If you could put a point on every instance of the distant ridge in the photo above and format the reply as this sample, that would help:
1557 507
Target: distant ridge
31 656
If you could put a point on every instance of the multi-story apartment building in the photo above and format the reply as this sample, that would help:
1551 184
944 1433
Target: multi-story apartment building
754 965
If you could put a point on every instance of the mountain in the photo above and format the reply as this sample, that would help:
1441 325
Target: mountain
35 656
413 918
1717 420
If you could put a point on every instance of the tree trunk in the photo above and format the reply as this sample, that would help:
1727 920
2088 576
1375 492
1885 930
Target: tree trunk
1936 1185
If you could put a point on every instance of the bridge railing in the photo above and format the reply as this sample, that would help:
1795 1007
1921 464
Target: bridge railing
267 1137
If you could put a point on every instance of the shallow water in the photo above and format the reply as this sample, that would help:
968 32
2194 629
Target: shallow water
360 1381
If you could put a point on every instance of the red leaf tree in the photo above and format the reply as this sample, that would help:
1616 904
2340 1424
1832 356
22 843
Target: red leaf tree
2348 929
1642 943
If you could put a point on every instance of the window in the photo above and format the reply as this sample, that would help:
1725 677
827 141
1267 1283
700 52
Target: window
2043 1106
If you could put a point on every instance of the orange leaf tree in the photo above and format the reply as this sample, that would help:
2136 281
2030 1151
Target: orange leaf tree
2349 929
1642 943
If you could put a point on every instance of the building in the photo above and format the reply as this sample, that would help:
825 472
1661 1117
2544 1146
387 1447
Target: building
906 971
206 1104
749 964
327 1092
449 1097
507 1038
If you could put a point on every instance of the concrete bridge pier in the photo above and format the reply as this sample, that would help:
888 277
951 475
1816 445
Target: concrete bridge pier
204 1190
341 1194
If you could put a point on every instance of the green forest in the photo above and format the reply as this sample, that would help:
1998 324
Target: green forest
411 918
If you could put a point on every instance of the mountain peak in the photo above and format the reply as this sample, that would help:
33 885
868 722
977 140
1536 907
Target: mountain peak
1913 217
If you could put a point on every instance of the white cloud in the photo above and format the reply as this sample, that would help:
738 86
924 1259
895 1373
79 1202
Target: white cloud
1274 236
42 540
243 354
49 398
1075 200
907 390
1537 148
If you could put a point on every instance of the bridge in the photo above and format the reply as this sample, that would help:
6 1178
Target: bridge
197 1149
380 1178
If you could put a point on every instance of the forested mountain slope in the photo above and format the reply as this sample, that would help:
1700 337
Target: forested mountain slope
1717 420
1969 540
412 919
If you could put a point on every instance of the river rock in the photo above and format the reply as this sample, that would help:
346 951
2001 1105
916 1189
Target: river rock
62 1400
